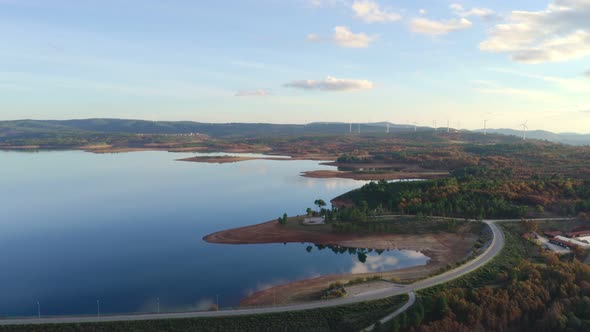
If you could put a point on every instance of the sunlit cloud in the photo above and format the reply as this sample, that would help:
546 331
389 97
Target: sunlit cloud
442 27
343 37
332 84
484 13
561 32
370 12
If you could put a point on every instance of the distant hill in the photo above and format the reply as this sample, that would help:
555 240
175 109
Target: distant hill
565 138
24 129
40 128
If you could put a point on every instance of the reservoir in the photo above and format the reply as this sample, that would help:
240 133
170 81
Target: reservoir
126 230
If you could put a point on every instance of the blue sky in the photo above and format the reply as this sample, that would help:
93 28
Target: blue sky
295 61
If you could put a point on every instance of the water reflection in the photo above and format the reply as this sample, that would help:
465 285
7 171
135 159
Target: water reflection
126 229
368 260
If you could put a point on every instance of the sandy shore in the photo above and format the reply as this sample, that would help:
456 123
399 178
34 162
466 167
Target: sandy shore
441 248
369 176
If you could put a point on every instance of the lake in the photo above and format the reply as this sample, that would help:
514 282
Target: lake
126 230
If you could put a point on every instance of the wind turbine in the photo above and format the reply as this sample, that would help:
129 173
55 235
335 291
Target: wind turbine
524 129
485 127
387 128
434 123
448 126
415 126
350 127
359 128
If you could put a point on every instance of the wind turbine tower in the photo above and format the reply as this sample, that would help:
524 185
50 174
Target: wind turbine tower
448 126
485 127
524 129
415 126
435 128
350 127
359 128
387 128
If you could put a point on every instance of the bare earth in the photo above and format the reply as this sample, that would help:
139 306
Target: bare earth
366 176
442 248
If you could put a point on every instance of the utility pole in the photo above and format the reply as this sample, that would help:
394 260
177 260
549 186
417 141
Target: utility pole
97 308
38 310
158 303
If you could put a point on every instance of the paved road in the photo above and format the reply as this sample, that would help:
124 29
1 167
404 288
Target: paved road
411 301
492 250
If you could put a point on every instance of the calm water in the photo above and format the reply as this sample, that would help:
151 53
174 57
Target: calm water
127 229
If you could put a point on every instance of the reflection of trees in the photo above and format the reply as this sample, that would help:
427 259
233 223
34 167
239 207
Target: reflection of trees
361 253
362 257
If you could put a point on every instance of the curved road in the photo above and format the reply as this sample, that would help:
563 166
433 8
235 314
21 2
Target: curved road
406 306
492 250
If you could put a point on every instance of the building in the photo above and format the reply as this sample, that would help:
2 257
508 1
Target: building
561 243
571 242
578 233
529 236
552 233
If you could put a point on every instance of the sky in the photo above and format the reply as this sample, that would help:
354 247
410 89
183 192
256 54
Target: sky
299 61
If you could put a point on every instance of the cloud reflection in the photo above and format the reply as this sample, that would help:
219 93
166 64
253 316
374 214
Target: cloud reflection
380 263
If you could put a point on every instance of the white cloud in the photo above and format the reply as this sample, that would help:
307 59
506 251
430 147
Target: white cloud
423 12
456 7
332 84
343 37
252 93
576 84
435 28
484 13
529 94
561 32
370 12
322 3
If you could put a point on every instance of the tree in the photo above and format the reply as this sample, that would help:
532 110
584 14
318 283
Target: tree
579 252
441 307
320 203
283 219
529 225
309 212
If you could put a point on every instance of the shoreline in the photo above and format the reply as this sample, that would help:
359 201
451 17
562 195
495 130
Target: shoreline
407 173
362 176
441 249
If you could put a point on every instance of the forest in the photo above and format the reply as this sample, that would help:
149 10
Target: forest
523 289
473 192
